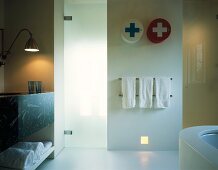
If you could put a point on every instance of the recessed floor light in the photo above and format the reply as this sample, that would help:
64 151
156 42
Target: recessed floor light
144 140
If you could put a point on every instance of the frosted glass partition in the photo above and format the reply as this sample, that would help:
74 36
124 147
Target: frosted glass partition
86 74
200 62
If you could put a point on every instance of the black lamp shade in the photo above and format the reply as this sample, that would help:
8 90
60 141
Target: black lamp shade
31 46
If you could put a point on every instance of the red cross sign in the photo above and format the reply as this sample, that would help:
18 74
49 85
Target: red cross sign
158 30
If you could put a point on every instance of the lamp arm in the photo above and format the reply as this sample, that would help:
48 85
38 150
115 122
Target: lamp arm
18 34
2 48
2 41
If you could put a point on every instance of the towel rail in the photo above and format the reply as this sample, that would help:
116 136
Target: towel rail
138 78
137 94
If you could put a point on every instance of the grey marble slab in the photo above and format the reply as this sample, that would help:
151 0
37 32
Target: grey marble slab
24 115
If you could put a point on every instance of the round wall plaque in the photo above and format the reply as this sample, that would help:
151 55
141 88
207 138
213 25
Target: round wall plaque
132 31
158 30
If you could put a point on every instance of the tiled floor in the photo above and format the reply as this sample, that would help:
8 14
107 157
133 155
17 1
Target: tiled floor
100 159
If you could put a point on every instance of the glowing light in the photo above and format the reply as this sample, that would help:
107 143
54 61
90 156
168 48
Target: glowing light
31 50
88 66
144 140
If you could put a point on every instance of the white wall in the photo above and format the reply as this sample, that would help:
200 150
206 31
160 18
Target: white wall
86 74
59 75
200 63
1 26
144 59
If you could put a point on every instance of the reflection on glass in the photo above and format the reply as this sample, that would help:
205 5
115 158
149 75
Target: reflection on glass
199 63
196 64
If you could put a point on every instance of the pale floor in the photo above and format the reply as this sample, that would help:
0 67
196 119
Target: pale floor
100 159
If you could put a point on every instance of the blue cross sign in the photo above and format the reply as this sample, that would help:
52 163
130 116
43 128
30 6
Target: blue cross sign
132 29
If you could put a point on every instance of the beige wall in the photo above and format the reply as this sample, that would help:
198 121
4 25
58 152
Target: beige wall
126 126
38 16
1 26
2 13
200 63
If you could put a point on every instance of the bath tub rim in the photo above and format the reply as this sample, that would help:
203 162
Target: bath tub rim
192 137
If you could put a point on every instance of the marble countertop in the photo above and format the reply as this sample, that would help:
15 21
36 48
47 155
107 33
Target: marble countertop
21 94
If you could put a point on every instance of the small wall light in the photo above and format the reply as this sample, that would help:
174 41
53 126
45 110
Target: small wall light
144 140
31 45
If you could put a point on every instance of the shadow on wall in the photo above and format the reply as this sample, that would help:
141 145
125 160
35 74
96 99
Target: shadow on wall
32 67
114 95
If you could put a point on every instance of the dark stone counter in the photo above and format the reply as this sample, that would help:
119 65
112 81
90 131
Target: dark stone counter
24 114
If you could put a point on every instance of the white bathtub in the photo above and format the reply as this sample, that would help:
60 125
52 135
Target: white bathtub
198 148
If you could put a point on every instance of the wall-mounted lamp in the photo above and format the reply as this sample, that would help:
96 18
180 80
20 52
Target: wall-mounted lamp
30 46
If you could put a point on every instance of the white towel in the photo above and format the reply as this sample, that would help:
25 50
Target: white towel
16 158
47 146
129 92
145 92
163 90
36 147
